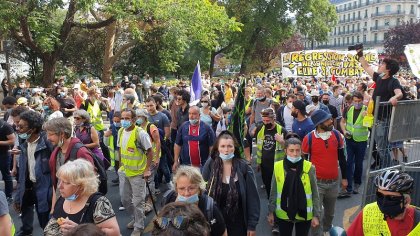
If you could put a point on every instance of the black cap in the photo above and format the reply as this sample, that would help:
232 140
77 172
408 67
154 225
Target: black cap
300 105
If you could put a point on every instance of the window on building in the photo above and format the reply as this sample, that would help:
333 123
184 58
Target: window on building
376 23
354 4
335 30
398 21
411 20
354 15
335 42
352 39
348 40
348 17
386 23
358 39
348 28
345 7
387 8
375 38
385 35
358 26
399 9
412 9
377 10
364 38
339 42
358 15
366 13
352 28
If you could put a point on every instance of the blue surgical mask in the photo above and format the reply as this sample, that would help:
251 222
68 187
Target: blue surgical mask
62 94
139 121
191 199
125 124
72 197
117 124
294 159
226 157
46 108
24 136
193 121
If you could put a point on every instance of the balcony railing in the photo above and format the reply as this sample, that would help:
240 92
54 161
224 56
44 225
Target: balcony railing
385 13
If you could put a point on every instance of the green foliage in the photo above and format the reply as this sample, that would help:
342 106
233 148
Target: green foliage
399 36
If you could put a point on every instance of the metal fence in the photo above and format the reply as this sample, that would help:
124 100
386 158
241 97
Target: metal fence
394 144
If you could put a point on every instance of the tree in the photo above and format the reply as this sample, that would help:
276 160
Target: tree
399 36
44 26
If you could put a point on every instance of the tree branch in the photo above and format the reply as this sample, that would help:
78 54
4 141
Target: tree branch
95 15
26 37
95 25
122 49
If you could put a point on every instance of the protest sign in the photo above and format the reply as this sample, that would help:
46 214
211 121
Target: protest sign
412 52
322 63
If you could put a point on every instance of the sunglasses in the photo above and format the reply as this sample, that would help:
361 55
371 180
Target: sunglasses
179 222
381 196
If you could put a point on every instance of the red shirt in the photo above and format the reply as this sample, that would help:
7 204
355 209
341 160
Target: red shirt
396 227
194 148
324 159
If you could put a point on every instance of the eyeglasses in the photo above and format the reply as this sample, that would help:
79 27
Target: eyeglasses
18 127
189 189
179 222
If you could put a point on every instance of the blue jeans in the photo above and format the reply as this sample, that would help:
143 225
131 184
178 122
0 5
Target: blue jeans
163 170
382 144
5 161
355 154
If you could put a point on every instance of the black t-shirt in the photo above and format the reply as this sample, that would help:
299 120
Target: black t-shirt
269 145
333 111
5 130
385 90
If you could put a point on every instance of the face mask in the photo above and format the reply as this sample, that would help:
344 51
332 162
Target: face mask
289 105
294 159
24 136
391 207
315 99
226 157
125 124
62 94
205 104
357 106
139 121
268 126
191 199
262 99
325 136
72 197
171 97
117 124
46 108
326 102
194 121
60 143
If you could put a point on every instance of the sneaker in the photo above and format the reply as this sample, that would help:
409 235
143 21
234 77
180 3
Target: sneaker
121 208
147 208
137 232
115 181
275 229
344 194
130 225
356 188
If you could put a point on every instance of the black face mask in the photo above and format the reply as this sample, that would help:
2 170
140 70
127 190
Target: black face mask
268 126
315 99
326 128
390 206
326 102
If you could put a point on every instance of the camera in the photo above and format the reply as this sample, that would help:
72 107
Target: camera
356 47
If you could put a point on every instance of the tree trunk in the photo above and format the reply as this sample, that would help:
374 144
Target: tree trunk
48 70
245 61
212 59
109 52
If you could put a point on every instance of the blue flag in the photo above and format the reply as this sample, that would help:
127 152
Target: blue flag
196 85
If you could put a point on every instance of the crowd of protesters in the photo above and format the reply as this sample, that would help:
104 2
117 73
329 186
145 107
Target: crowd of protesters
309 137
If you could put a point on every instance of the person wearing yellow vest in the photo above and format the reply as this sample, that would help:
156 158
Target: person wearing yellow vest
270 139
110 140
356 143
248 101
136 157
7 228
294 199
391 213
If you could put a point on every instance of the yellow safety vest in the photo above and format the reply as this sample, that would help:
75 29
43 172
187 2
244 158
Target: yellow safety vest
248 103
95 115
359 132
133 160
112 150
374 223
279 155
280 176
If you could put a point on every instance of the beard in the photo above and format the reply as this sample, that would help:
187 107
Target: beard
326 127
294 114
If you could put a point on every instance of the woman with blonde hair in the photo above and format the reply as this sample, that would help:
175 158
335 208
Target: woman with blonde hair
189 188
80 202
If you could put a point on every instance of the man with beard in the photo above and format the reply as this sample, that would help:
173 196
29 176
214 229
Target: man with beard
324 147
270 141
391 213
302 124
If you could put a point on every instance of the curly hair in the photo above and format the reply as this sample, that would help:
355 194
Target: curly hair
52 103
34 120
80 172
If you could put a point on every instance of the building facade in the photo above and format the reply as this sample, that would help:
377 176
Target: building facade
367 22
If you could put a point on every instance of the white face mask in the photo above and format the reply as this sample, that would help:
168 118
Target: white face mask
289 105
325 136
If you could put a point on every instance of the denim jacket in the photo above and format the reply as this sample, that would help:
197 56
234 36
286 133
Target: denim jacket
43 184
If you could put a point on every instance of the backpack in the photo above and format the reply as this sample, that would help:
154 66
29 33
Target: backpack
164 145
99 166
89 209
335 132
209 214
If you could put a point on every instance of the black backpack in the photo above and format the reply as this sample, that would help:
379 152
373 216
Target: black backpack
168 195
99 166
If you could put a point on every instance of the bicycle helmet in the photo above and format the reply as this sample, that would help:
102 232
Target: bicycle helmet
394 181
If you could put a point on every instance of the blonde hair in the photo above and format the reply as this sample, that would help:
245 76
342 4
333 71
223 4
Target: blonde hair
192 173
80 172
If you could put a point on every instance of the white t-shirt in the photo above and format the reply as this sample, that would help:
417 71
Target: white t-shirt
288 118
144 138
